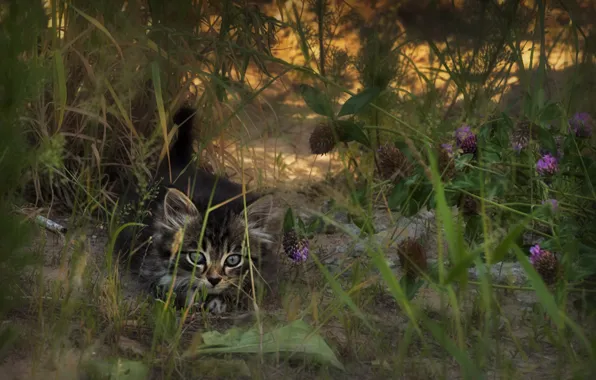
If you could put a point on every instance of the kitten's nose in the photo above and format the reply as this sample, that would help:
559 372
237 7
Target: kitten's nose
214 280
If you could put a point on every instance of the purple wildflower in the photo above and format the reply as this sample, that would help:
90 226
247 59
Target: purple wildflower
545 263
462 133
448 148
465 139
581 124
547 165
535 253
554 204
517 147
296 248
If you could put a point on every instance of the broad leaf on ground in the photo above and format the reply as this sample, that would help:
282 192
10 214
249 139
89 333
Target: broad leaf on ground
296 337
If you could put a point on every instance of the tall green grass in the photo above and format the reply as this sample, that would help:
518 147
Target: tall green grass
20 22
110 76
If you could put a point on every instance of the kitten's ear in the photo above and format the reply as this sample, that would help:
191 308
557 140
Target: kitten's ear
264 220
178 209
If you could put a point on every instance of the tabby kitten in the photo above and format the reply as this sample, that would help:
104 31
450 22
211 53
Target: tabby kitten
181 247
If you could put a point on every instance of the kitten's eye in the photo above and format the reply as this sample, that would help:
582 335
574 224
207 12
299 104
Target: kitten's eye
233 260
196 258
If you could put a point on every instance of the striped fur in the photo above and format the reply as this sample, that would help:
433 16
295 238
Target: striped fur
184 248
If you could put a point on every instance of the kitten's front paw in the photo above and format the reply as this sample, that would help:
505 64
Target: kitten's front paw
216 306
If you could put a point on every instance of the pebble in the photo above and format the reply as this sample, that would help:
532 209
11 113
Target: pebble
503 273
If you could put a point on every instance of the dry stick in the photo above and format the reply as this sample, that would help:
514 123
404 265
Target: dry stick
50 225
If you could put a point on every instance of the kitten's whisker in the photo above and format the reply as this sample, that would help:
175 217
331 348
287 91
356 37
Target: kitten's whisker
193 209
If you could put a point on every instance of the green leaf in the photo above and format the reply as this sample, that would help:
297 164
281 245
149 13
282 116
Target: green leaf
473 228
296 337
315 225
419 195
410 287
463 160
547 140
410 208
301 225
359 101
455 240
506 243
469 181
301 34
316 100
491 157
398 195
350 131
460 269
550 113
289 220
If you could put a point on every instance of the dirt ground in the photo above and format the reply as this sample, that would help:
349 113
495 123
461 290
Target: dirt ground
279 126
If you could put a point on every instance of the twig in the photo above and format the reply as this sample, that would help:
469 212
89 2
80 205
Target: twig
50 225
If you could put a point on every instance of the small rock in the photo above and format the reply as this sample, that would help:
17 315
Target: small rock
341 217
352 229
127 345
391 263
526 298
504 273
332 260
341 249
531 238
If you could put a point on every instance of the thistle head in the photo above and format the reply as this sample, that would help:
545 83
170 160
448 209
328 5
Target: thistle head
295 247
554 204
466 140
547 165
546 264
322 139
581 124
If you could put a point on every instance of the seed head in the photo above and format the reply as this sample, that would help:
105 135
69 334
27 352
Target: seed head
392 162
322 138
469 206
447 148
520 138
547 165
412 258
545 263
553 204
466 139
581 124
296 248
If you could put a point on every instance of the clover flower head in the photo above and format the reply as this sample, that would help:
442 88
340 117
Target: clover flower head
547 165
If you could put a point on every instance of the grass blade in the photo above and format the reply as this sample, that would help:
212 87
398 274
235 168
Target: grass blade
343 296
544 296
469 369
99 26
161 109
60 92
121 109
456 246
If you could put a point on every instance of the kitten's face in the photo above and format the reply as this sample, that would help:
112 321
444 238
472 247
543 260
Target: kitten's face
219 261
